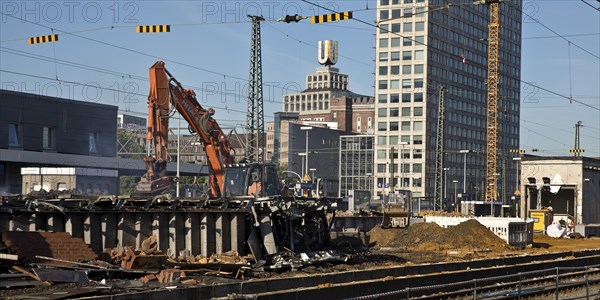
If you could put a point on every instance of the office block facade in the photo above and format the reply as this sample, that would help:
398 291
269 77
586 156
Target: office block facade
421 45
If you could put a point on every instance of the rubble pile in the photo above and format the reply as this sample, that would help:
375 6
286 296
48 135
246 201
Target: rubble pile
469 234
146 257
32 246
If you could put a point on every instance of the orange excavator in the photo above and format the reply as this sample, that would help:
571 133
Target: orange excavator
166 94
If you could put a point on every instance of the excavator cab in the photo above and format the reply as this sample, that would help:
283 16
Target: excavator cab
254 179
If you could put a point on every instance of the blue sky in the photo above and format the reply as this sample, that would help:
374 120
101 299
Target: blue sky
208 51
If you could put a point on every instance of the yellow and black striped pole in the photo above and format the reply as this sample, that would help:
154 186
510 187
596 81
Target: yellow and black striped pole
153 28
576 150
342 16
42 39
516 151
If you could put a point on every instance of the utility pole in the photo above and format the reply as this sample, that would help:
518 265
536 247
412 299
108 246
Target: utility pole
439 151
578 125
255 124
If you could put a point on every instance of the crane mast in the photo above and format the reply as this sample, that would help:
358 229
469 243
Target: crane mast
491 190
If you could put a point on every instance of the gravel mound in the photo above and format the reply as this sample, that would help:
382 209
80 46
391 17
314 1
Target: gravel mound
430 236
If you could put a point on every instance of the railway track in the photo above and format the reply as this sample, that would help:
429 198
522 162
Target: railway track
564 275
555 283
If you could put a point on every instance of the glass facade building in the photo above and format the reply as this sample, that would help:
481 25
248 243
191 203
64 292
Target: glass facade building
421 45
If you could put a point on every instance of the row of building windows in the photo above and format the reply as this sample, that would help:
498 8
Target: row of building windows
394 84
395 112
395 2
406 70
331 84
395 97
406 55
324 78
303 97
404 126
404 139
406 27
400 182
15 138
406 41
306 106
405 168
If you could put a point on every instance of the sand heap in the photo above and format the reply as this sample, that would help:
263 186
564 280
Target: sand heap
467 235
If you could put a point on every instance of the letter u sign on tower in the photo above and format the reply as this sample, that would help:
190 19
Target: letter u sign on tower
328 52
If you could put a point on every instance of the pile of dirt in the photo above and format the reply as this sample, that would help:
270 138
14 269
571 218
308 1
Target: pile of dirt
430 236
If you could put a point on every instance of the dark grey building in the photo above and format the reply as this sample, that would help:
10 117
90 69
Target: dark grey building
323 154
36 123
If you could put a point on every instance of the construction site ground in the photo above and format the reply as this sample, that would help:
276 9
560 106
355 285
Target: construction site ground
418 244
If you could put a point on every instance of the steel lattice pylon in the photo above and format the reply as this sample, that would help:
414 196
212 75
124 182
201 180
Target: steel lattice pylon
491 189
439 150
255 125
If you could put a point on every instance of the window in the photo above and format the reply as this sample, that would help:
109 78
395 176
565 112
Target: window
384 15
405 97
406 69
418 69
93 142
419 26
418 97
381 154
383 84
406 55
406 111
382 98
48 138
395 42
393 126
395 70
382 112
418 139
417 168
384 28
396 27
419 54
384 2
417 153
381 168
395 56
408 12
394 98
419 82
406 42
418 111
394 112
14 135
383 70
407 27
395 13
420 40
394 84
417 125
383 56
382 126
393 140
406 83
405 125
416 182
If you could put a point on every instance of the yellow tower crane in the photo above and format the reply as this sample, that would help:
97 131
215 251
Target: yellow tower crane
491 190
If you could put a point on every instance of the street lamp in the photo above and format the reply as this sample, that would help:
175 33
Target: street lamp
303 154
306 128
465 152
313 170
446 181
517 159
402 163
455 194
